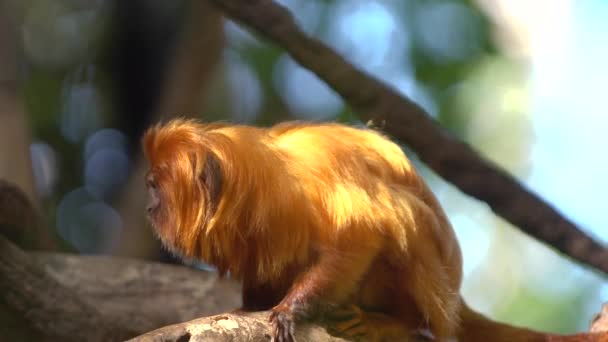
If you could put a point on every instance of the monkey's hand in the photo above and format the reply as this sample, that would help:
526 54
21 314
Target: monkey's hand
283 326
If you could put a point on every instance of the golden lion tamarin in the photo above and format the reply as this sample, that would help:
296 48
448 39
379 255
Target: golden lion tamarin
316 219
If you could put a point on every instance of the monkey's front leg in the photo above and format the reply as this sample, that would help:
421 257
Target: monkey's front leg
329 282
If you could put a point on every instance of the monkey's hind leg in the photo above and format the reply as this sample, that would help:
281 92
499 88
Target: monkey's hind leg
352 323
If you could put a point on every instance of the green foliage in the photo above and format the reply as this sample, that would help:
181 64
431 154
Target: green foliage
558 314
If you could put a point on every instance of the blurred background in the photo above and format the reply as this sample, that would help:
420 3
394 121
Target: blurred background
521 81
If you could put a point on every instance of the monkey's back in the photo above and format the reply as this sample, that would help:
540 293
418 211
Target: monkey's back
360 176
345 152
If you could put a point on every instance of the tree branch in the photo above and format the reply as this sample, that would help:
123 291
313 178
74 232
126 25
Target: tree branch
385 108
253 327
56 297
34 296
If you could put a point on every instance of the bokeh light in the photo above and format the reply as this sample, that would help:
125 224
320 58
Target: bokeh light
106 162
308 14
245 90
305 94
448 31
368 34
87 223
80 114
45 167
56 34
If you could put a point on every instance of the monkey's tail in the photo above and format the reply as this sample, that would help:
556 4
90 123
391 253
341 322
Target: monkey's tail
475 327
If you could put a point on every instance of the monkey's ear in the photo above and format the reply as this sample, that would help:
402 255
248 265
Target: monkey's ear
212 180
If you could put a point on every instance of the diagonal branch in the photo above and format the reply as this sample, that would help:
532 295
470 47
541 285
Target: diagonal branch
398 116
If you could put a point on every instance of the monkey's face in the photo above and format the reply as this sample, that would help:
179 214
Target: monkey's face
183 194
183 184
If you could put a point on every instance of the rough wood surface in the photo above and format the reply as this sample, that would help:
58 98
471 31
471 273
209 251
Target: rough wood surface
252 327
60 297
155 294
49 308
255 327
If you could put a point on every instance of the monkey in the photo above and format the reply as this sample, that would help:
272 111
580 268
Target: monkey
317 220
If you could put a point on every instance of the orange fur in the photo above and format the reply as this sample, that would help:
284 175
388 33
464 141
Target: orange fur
309 216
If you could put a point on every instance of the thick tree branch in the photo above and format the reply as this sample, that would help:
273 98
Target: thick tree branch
47 307
385 108
58 297
253 327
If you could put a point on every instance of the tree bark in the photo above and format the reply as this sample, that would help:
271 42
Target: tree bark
61 297
253 327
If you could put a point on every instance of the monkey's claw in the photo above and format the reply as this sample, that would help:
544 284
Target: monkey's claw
283 326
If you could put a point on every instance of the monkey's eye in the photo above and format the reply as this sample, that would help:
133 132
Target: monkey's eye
150 182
